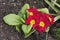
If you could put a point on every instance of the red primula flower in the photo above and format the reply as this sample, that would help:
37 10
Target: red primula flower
40 21
30 20
41 24
49 17
33 11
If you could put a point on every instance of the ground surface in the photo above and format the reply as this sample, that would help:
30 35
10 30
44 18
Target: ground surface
13 6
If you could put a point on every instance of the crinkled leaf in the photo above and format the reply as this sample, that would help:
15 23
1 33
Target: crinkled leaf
26 28
22 13
28 34
44 10
17 28
12 19
56 18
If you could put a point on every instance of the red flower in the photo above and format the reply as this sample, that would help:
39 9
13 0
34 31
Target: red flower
40 21
41 24
49 17
33 11
30 20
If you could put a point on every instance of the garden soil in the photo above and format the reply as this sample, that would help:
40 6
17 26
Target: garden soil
13 6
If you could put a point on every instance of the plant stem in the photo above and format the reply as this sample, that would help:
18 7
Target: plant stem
52 6
53 2
57 4
17 28
22 20
27 35
46 35
54 14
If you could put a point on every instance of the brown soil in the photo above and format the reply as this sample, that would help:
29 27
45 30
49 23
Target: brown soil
13 6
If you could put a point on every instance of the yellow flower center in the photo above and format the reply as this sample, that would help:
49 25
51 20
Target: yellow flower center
50 19
30 13
32 22
42 24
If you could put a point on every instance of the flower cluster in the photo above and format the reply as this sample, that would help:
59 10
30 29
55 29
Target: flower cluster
39 21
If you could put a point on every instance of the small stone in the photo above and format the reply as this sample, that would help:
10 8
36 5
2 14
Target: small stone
4 3
14 4
34 1
12 0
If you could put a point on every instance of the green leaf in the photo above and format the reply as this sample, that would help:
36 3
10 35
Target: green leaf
17 28
26 28
57 4
47 30
12 19
44 10
56 18
52 6
28 34
22 13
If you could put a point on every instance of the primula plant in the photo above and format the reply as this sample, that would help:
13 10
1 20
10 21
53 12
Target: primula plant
32 19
